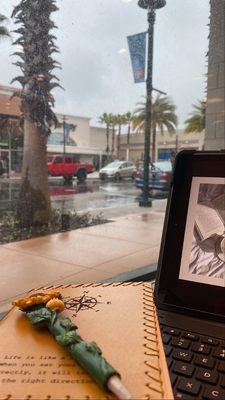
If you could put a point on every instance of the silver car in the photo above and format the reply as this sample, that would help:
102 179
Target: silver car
118 170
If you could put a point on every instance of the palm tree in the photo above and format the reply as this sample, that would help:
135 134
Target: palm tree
113 126
107 120
120 121
36 63
162 116
128 120
3 30
196 121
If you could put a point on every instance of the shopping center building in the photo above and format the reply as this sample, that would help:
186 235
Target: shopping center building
72 135
75 135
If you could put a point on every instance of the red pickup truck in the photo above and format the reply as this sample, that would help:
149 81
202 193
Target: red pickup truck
60 165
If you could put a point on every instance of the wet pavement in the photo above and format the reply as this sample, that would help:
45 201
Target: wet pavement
125 247
128 246
93 195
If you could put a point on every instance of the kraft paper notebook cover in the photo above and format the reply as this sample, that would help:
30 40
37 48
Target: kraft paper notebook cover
120 318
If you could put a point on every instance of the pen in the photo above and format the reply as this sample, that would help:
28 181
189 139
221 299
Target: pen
42 309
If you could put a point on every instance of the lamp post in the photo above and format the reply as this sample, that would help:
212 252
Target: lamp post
151 6
64 135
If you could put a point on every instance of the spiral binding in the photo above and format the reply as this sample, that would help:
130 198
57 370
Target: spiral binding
151 344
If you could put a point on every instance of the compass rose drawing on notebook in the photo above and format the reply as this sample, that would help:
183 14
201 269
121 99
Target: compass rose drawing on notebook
82 303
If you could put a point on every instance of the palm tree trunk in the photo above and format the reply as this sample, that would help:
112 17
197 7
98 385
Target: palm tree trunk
128 142
34 204
153 144
113 140
107 141
118 140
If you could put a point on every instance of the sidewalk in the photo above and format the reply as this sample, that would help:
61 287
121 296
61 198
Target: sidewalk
92 254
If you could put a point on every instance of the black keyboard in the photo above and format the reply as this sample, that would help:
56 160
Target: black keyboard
196 364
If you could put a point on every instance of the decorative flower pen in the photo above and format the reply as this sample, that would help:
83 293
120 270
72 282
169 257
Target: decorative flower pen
42 309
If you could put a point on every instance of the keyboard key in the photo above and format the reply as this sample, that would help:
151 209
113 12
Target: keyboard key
171 331
191 336
167 350
219 353
182 396
221 367
183 369
180 342
222 383
207 376
182 355
213 393
201 348
188 386
165 338
204 361
169 362
173 379
210 341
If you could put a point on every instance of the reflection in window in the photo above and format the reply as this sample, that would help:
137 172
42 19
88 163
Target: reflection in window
57 139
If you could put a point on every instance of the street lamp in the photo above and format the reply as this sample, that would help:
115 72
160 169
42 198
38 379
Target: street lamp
64 135
151 6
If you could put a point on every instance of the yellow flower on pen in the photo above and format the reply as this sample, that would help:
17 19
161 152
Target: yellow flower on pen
39 298
55 305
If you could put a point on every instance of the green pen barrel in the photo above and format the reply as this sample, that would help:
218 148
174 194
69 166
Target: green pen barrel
88 356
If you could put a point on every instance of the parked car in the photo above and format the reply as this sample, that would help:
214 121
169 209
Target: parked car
66 166
160 174
118 170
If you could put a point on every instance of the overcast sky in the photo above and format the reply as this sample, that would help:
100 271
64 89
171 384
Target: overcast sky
96 70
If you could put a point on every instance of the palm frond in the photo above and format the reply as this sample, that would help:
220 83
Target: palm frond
196 120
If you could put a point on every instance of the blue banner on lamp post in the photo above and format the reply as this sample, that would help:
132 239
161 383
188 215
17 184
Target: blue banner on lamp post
137 49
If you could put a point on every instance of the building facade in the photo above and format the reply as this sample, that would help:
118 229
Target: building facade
215 112
75 135
166 145
72 135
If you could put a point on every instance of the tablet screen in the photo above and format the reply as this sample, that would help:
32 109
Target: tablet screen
191 268
203 255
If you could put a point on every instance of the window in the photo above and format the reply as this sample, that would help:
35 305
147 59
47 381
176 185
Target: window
100 112
58 160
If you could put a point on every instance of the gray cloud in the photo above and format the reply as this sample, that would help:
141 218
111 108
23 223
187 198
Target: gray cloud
98 79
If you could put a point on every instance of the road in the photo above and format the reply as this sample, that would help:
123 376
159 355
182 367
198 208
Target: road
110 198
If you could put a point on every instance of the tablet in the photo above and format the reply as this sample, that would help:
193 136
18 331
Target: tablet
191 268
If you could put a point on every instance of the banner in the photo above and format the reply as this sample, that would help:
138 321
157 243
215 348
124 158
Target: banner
67 129
137 48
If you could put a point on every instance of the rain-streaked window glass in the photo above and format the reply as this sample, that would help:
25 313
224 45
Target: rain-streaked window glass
73 77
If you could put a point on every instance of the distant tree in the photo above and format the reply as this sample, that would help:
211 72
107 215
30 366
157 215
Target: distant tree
129 118
114 121
120 120
163 117
196 121
3 30
106 119
37 81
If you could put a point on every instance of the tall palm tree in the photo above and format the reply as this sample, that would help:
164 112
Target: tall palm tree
163 116
196 121
37 81
106 119
128 121
3 30
120 121
113 126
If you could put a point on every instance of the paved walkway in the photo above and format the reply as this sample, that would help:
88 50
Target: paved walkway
92 254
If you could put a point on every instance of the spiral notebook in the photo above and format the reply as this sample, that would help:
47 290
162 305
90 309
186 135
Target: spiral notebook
120 317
